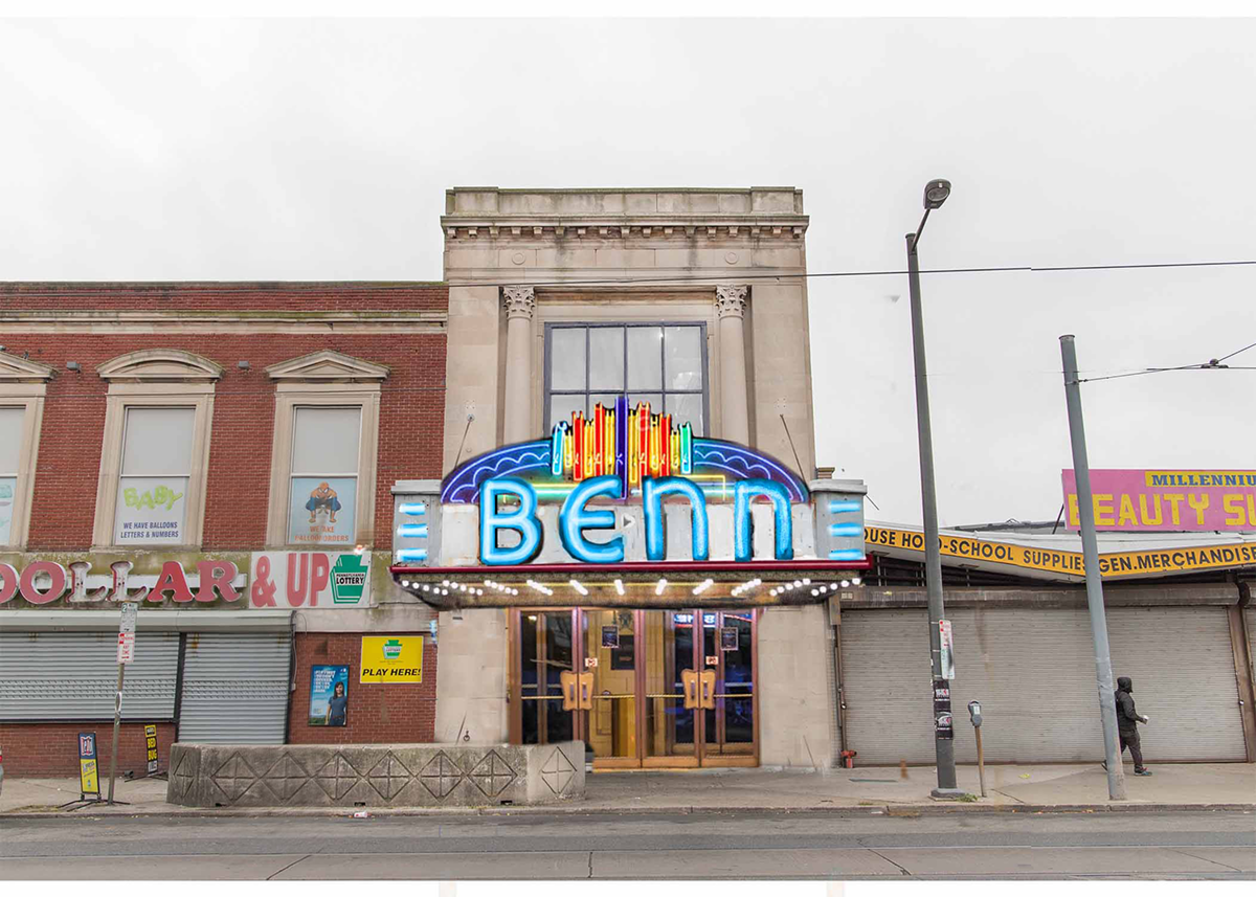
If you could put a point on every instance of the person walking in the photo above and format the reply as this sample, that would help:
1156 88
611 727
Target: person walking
1127 720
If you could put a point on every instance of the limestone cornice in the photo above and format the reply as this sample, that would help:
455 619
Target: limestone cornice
678 228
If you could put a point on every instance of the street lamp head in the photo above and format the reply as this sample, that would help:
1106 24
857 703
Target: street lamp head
936 192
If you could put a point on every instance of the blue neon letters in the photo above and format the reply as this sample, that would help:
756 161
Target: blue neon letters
574 518
523 521
743 526
652 491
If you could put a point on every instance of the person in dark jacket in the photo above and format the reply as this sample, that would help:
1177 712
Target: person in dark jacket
1127 720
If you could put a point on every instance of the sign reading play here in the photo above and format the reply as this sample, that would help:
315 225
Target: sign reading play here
389 659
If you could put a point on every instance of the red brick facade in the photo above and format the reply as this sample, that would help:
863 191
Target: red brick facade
263 324
51 749
412 398
377 713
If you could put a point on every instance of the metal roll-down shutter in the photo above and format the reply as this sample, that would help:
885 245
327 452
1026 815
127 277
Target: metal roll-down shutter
74 676
235 688
1033 671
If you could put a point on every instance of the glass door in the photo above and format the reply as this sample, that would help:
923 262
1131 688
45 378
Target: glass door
546 712
655 688
610 657
699 687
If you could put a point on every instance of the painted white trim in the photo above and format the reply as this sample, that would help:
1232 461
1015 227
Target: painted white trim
15 370
129 395
327 365
29 397
160 365
289 395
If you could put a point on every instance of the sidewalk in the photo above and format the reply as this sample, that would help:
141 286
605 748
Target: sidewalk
1182 786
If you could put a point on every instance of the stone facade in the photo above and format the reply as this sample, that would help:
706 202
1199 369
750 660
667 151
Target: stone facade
516 260
380 775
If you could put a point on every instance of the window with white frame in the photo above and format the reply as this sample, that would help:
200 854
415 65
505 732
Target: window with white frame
323 478
23 386
156 469
12 419
663 364
324 452
154 463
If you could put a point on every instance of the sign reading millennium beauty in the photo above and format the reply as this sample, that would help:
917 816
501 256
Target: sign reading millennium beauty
618 455
1168 500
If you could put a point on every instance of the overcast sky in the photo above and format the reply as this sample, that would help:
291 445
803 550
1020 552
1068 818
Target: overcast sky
302 150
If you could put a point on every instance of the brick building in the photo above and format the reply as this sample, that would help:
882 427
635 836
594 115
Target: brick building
174 441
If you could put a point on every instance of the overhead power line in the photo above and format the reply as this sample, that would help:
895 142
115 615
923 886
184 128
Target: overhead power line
732 274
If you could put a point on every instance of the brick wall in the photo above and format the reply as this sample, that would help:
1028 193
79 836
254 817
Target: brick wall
412 398
377 714
51 749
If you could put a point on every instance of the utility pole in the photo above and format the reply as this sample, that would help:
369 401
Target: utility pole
936 193
1094 580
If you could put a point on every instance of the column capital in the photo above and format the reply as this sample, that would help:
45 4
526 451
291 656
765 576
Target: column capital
730 300
520 302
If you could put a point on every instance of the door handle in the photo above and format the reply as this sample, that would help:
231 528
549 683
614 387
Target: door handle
568 680
586 691
708 689
690 680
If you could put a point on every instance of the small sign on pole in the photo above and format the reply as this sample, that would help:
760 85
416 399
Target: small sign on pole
150 744
89 775
126 633
947 640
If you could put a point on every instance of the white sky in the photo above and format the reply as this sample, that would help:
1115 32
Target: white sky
304 150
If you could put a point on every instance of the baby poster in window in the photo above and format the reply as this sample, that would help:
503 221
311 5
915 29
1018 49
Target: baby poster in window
150 509
322 510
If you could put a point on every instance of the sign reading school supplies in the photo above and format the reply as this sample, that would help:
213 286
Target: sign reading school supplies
89 779
391 659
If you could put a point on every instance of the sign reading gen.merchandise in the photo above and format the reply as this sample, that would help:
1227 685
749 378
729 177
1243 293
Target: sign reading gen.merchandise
391 659
1111 565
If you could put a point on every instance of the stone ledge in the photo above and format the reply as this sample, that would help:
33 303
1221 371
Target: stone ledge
380 775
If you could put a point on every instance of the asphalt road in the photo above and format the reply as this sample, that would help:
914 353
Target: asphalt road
663 846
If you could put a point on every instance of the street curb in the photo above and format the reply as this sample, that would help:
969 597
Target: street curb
892 810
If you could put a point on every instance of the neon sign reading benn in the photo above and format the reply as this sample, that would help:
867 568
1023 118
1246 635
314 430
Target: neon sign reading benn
574 518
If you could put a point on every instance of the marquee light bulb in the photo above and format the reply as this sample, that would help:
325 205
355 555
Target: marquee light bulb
619 586
658 589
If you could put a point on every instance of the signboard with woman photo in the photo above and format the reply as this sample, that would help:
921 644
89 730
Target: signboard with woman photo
329 695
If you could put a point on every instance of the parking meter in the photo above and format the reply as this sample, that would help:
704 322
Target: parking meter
974 713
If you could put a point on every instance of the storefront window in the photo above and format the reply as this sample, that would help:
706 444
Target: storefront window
10 449
156 469
323 484
663 364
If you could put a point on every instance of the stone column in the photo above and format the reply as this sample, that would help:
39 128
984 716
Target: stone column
520 307
730 305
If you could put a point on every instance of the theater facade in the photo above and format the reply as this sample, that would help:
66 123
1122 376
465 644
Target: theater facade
632 544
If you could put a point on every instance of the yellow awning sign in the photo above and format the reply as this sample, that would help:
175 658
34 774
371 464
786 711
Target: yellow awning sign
390 659
1111 565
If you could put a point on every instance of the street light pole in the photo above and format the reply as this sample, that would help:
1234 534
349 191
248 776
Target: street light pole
936 193
1094 580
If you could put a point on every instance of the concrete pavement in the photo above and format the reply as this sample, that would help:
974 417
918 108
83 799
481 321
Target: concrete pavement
873 789
765 844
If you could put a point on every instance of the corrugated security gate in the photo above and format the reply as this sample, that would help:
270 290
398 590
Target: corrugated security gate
1033 671
235 688
74 676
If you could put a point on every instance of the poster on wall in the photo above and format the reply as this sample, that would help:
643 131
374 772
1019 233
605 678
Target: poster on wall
8 488
281 579
150 749
329 695
150 510
321 510
392 659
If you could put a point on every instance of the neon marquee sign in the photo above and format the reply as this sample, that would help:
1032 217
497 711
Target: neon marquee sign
628 445
618 455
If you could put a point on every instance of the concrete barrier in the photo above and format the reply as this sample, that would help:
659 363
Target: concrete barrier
375 775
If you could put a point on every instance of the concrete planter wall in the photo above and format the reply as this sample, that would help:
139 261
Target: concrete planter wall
375 775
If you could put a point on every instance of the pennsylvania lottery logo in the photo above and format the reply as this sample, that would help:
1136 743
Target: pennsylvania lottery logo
348 579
